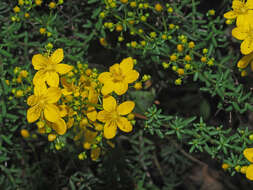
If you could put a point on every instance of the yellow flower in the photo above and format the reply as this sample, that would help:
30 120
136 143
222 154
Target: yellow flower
180 71
211 12
27 15
51 137
124 1
153 34
19 93
203 59
42 103
103 41
134 44
245 34
187 58
170 10
93 99
173 57
69 88
49 67
245 61
138 85
52 5
158 7
21 2
24 73
112 116
16 9
133 4
42 31
248 153
171 26
191 44
119 28
242 11
225 166
178 81
25 134
119 77
38 2
180 47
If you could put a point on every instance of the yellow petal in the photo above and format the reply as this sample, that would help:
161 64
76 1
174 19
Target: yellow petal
109 103
39 62
107 88
65 92
63 68
89 136
127 64
114 68
32 100
230 15
124 125
103 116
239 33
93 96
131 76
126 107
94 154
64 83
244 61
237 3
53 95
33 113
120 88
52 79
39 77
57 56
249 4
248 153
244 20
105 77
249 172
51 112
60 126
70 122
91 113
40 89
63 110
247 46
110 130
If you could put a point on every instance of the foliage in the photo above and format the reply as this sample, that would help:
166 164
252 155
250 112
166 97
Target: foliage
72 73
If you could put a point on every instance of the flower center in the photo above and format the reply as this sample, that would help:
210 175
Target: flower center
50 67
42 102
243 10
115 115
117 75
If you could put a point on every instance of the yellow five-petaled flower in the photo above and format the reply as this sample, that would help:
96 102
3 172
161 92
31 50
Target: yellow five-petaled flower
42 104
242 11
112 116
244 33
49 67
119 77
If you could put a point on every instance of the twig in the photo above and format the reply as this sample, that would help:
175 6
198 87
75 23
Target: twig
189 156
